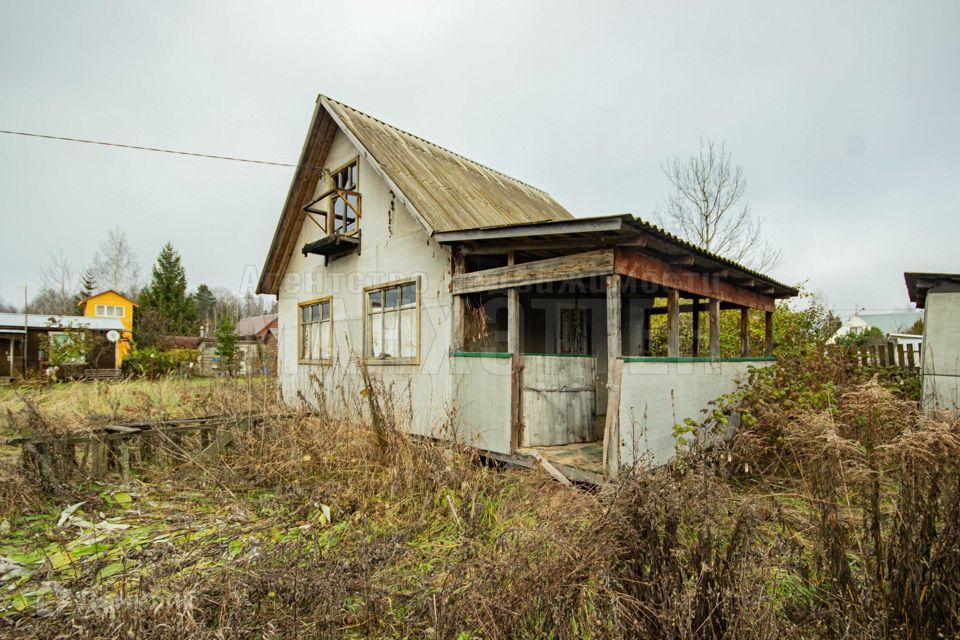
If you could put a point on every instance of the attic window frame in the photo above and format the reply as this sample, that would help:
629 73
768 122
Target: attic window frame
100 311
337 193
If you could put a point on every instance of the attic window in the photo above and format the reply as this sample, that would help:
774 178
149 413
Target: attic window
345 200
109 311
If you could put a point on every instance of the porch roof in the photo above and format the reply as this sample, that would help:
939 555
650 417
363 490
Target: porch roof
918 284
640 241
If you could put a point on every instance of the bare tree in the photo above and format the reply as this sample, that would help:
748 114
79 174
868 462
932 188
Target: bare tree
59 287
705 208
115 265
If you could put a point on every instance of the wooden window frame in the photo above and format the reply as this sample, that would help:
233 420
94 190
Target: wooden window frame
105 314
300 306
331 222
368 346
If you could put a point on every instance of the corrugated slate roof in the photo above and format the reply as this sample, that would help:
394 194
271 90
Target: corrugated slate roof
449 191
41 321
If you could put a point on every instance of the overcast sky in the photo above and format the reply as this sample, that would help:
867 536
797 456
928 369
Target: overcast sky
844 116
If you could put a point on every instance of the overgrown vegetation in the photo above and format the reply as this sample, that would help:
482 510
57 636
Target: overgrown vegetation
834 512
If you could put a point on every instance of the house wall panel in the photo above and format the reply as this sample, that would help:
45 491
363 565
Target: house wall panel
656 395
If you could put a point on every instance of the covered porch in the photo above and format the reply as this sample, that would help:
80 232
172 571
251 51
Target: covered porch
567 338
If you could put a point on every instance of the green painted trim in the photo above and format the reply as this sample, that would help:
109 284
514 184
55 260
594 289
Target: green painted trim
480 354
691 359
561 355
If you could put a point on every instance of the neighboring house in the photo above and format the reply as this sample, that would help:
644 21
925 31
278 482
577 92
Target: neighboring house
31 332
487 308
110 304
256 348
896 322
938 294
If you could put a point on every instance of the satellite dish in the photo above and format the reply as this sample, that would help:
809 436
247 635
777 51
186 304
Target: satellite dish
113 335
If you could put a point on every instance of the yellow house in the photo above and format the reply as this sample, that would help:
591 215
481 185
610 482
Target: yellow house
110 304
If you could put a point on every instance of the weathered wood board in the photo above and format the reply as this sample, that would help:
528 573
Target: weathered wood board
558 399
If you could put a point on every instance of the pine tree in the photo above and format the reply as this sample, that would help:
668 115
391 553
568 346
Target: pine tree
88 287
166 295
205 301
227 344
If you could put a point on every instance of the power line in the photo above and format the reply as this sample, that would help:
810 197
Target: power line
141 148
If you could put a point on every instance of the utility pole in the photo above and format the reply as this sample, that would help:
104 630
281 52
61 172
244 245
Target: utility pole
26 332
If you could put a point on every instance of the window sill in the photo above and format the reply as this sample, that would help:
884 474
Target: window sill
391 361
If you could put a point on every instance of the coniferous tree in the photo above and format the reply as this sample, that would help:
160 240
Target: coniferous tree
205 301
166 295
88 287
227 345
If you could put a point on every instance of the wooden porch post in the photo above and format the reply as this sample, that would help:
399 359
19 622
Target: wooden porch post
696 326
516 370
456 323
714 328
744 332
673 322
611 430
768 333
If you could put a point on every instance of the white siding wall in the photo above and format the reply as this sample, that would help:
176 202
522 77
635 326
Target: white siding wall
657 395
941 351
393 247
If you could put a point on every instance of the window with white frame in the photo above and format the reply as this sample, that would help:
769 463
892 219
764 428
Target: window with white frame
392 331
316 330
109 311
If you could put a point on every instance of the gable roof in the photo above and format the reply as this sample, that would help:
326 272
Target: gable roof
117 293
443 190
255 324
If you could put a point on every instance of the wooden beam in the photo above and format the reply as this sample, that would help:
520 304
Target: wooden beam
687 260
768 333
611 430
696 327
611 224
516 369
714 312
578 265
744 332
706 285
673 322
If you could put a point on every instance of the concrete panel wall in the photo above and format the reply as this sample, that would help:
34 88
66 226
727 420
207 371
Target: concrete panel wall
941 351
657 394
393 247
481 392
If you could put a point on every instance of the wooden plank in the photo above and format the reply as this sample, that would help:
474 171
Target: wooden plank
901 357
911 360
706 285
744 332
516 369
551 470
768 333
864 356
611 427
579 265
891 356
714 313
696 327
611 430
881 355
673 322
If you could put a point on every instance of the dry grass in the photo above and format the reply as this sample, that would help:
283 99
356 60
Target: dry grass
834 514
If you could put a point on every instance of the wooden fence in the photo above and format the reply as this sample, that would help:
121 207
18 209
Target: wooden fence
903 356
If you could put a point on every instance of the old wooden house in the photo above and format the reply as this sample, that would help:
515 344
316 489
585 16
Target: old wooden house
499 317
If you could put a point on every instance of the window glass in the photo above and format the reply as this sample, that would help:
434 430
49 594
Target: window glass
391 322
316 331
409 295
392 296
